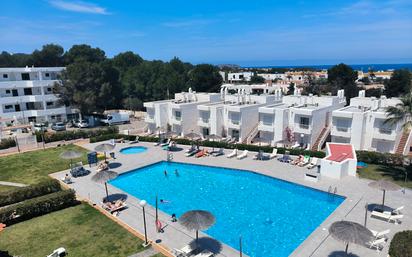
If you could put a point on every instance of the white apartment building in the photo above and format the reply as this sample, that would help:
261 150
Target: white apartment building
273 76
302 120
180 114
26 95
362 124
234 77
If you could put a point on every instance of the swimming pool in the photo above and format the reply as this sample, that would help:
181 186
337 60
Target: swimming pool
133 150
273 216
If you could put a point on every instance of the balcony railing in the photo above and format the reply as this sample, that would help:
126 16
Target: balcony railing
342 129
177 118
385 131
304 126
204 120
235 122
265 123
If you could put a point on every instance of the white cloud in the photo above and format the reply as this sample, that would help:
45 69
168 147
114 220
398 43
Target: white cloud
81 7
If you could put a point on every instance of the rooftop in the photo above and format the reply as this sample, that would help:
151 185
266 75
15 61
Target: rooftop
340 152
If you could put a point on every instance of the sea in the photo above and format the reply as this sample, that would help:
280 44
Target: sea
360 67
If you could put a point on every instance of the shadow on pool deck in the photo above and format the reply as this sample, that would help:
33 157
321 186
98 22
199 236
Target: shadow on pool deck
115 197
207 243
342 254
114 165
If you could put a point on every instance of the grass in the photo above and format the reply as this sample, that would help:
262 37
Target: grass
6 188
393 173
82 230
33 167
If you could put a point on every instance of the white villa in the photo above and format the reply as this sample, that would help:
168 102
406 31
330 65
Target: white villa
234 77
362 124
26 95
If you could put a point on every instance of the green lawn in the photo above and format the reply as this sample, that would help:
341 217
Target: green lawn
82 230
32 167
393 173
5 188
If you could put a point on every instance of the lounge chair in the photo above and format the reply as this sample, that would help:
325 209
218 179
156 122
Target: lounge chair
165 143
380 234
184 251
193 152
298 160
77 170
192 148
387 216
285 158
258 156
102 166
274 153
218 153
113 207
134 141
204 253
201 153
377 244
305 161
232 154
242 155
313 163
67 179
58 252
397 211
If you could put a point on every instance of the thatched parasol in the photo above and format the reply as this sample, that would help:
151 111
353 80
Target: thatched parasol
104 148
104 176
70 155
350 232
384 185
197 220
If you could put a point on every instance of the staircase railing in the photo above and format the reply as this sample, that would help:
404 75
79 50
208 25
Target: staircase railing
251 135
408 141
322 138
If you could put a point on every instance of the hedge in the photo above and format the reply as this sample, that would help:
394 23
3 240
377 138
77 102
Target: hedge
111 136
74 134
253 148
37 206
401 244
7 143
380 158
24 193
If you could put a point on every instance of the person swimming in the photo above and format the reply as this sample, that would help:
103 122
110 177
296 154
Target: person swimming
165 172
176 173
164 201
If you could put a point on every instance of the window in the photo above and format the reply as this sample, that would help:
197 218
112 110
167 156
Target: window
7 107
8 91
304 122
30 106
25 76
49 103
47 74
28 91
49 89
5 76
178 115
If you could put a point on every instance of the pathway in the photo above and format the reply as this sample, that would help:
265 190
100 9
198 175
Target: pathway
12 184
146 253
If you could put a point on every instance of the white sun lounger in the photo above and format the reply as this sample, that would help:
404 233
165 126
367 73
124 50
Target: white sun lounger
304 162
204 253
380 234
232 154
387 216
396 211
377 244
243 155
313 163
274 153
184 251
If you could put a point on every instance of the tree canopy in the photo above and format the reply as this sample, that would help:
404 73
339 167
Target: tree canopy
399 84
342 76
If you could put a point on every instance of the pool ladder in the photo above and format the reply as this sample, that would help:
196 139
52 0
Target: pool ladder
169 157
332 191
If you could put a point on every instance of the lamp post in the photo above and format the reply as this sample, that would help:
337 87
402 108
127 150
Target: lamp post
143 203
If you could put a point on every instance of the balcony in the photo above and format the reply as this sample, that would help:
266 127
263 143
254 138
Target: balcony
203 122
234 124
265 126
341 131
304 126
384 134
177 120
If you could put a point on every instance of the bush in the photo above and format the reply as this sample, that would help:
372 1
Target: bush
24 193
380 158
74 134
37 206
253 148
111 136
7 143
401 244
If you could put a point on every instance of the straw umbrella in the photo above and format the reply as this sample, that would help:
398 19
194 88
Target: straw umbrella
384 185
193 136
103 177
213 137
350 232
104 148
70 155
197 220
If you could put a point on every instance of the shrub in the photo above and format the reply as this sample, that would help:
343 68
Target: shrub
37 206
74 134
379 158
401 244
7 143
111 136
24 193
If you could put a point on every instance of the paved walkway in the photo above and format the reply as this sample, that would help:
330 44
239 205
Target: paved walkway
319 243
146 253
12 184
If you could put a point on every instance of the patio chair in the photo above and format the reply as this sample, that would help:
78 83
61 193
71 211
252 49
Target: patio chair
285 158
313 163
387 216
201 153
192 148
298 160
274 153
102 166
218 153
134 141
377 244
113 207
232 154
193 152
242 155
258 156
77 170
380 234
305 161
397 211
166 143
184 251
204 253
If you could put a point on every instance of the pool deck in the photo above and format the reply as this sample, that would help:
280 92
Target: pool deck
319 243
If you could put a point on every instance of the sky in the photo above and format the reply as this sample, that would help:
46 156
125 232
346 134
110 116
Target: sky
248 33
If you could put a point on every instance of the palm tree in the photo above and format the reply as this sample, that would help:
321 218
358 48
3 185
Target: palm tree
401 112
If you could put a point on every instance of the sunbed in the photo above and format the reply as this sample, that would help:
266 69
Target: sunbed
102 166
305 161
134 141
193 152
396 211
232 154
380 234
116 206
387 216
219 152
77 170
204 253
242 155
377 244
192 147
274 153
313 163
285 158
184 251
67 179
201 153
166 143
298 160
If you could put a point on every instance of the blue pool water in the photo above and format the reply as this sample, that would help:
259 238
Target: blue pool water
273 216
133 150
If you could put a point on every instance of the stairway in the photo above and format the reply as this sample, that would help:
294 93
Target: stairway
402 143
321 139
252 134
